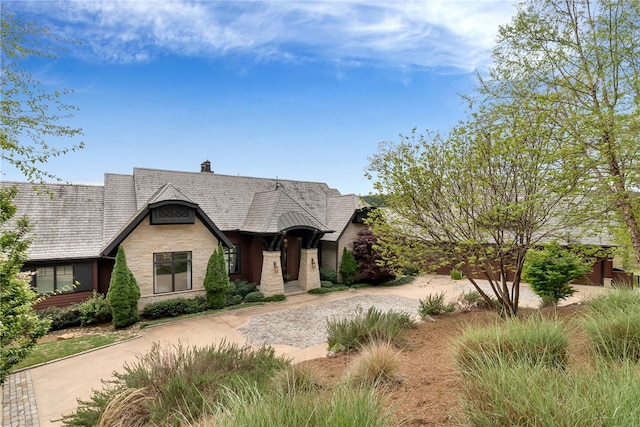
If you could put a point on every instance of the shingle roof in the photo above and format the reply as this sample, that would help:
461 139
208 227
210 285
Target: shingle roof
66 222
340 210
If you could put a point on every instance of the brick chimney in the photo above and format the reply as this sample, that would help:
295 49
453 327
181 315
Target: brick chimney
206 166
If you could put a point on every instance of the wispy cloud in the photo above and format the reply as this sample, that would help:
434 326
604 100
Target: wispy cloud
456 34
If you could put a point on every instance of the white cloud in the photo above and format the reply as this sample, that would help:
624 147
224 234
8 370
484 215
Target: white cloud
430 33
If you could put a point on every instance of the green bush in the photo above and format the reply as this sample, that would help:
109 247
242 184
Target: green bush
435 304
244 288
533 341
233 300
456 274
405 280
216 279
255 296
328 274
274 298
348 267
174 307
123 294
322 291
472 299
94 310
373 325
61 317
550 270
326 284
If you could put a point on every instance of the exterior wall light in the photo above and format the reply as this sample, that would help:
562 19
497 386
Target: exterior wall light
275 267
313 263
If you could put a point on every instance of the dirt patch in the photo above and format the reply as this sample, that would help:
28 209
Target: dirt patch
429 390
81 331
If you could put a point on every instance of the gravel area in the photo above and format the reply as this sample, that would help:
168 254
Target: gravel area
304 327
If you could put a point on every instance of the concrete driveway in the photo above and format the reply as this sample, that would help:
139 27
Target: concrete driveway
295 328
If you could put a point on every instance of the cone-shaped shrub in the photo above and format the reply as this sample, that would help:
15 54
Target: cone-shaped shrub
123 294
216 280
348 267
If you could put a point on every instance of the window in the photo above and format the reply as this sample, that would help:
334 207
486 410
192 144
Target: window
57 278
171 272
172 214
232 258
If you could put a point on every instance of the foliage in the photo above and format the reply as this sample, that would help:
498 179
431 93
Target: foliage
368 258
61 317
456 274
243 287
255 296
435 304
326 284
328 274
123 294
533 341
400 281
364 327
325 290
216 280
174 307
348 267
550 270
467 301
94 310
20 327
476 199
587 74
274 298
31 115
378 362
178 384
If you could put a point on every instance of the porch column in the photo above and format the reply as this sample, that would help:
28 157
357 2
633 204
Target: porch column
271 282
309 274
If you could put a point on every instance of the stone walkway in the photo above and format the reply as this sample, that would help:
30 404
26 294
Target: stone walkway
18 401
305 326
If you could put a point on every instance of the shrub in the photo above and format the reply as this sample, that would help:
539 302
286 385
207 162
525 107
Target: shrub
365 327
550 270
533 341
456 274
255 296
296 378
348 267
234 299
377 362
367 258
174 307
216 280
123 294
244 288
326 284
94 310
410 270
435 304
321 291
400 281
61 317
274 298
178 385
472 299
328 274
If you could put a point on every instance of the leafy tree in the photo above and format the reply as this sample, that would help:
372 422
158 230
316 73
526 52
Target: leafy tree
20 327
123 294
580 59
477 199
369 259
30 115
216 280
550 270
348 267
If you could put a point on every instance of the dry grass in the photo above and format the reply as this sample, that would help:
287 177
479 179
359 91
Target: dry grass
127 408
377 362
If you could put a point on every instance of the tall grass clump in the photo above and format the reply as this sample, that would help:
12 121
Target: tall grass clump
342 406
533 341
524 395
364 327
176 385
612 325
434 304
378 362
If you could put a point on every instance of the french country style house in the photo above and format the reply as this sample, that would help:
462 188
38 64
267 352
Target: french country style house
273 231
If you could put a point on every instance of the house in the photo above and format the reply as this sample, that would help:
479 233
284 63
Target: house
273 231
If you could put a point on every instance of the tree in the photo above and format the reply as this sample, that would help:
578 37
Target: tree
348 267
549 271
123 293
20 327
369 259
477 199
30 116
581 59
216 280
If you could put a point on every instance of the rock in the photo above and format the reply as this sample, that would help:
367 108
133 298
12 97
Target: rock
65 337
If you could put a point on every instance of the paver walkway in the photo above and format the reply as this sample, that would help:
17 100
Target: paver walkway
18 401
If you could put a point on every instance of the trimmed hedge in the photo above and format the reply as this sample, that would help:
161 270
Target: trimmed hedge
174 307
255 296
61 317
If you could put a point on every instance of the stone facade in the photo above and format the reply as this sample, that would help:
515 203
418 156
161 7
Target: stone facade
271 281
148 239
309 276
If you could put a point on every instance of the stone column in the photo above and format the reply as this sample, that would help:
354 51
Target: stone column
309 274
271 282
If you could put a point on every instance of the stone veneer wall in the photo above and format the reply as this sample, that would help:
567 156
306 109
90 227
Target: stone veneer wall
349 235
309 276
148 239
271 281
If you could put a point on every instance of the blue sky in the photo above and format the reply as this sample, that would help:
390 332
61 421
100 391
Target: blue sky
295 90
